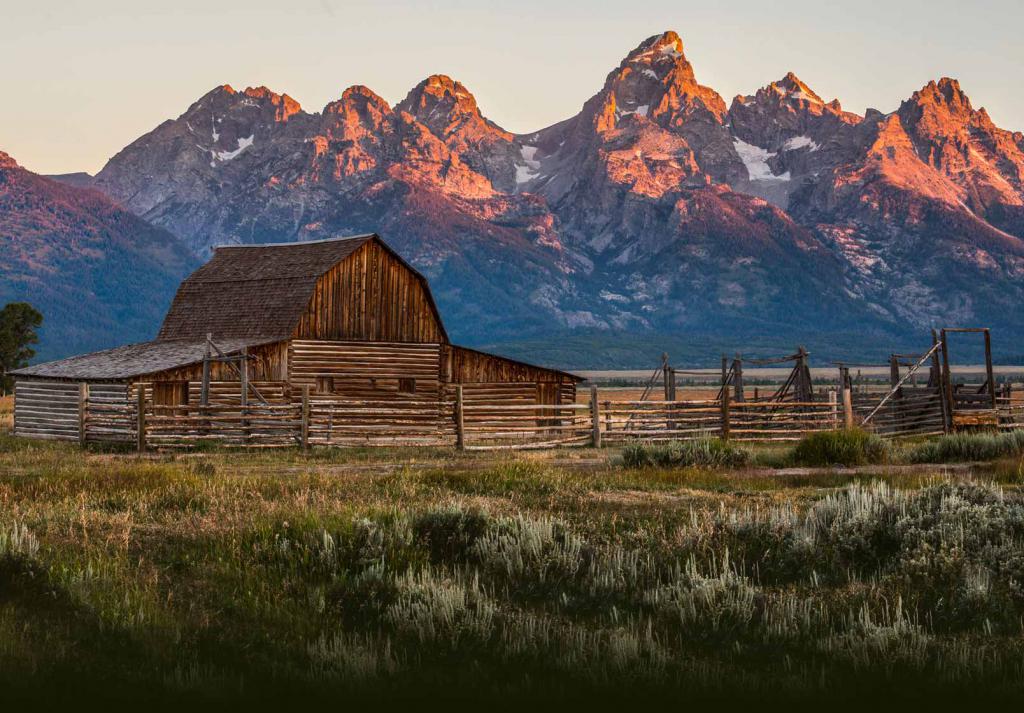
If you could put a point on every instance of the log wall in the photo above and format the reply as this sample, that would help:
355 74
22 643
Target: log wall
46 409
365 370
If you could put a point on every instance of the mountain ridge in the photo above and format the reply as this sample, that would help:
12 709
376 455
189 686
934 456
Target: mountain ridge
658 208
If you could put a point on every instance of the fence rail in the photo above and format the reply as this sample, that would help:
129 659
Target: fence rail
116 413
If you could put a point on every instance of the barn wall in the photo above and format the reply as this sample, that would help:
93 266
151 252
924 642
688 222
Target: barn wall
370 296
269 363
466 366
365 370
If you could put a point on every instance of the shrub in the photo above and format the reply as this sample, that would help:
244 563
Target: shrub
960 447
448 532
851 447
706 452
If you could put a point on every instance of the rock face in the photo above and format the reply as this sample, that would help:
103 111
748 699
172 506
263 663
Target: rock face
656 209
99 274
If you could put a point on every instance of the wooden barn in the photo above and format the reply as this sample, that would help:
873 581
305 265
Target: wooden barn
344 322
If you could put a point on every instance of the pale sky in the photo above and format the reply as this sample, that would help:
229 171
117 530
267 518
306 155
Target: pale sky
80 80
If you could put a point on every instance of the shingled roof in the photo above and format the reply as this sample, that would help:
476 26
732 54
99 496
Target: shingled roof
254 291
130 361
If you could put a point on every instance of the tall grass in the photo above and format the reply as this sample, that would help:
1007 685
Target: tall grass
965 447
701 452
847 447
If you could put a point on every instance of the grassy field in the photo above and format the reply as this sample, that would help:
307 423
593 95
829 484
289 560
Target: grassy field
413 574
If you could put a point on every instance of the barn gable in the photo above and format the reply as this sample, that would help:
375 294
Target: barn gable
372 295
340 288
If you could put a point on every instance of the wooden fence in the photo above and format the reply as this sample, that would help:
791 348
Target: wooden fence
118 413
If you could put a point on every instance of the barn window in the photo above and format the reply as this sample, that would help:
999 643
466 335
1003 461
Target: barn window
406 386
170 393
325 384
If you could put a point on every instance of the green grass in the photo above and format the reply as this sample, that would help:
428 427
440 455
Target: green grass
850 448
702 452
967 447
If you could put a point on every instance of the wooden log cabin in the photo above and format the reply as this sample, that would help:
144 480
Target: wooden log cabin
346 317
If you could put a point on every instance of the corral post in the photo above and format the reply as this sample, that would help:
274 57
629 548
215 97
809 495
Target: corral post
83 405
595 417
204 394
460 420
671 373
847 387
988 368
141 416
243 377
737 377
305 417
947 382
833 409
725 415
804 387
725 372
664 374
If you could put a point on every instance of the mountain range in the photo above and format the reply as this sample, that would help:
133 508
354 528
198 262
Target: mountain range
657 214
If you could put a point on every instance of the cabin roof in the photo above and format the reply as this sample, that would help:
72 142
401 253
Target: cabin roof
261 291
131 360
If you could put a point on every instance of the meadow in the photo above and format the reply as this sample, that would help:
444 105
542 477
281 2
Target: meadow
347 575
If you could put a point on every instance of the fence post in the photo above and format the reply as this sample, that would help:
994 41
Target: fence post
141 414
847 407
595 416
304 437
83 403
726 427
460 422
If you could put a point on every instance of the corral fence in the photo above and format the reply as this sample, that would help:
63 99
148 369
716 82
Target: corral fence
96 413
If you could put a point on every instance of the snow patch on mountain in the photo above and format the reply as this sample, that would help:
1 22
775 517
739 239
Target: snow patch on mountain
530 168
243 144
800 142
756 160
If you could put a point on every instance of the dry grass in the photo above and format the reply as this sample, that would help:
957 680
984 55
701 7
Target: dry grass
6 413
269 577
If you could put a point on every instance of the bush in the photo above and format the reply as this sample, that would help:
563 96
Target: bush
851 447
960 447
706 452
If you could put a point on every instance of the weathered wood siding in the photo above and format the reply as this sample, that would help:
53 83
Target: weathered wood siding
365 370
269 362
467 366
46 409
371 296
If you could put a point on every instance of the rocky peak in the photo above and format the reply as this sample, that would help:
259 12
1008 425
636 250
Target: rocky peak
359 106
6 161
962 143
660 53
655 81
938 109
792 88
450 111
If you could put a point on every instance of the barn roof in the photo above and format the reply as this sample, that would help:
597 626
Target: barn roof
131 360
261 291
